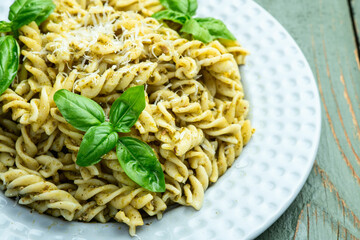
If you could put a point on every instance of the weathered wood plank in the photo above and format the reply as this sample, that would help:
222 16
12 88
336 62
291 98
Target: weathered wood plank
355 7
328 205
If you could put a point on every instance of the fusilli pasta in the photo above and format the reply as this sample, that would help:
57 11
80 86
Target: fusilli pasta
195 117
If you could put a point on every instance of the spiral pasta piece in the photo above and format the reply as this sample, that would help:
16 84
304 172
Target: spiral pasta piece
35 190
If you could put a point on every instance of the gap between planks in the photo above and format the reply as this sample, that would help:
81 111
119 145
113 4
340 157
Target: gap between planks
356 33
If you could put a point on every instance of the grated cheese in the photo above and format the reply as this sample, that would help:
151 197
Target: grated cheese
158 99
182 135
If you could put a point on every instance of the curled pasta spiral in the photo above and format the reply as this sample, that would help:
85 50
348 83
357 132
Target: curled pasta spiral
7 151
145 7
38 193
126 199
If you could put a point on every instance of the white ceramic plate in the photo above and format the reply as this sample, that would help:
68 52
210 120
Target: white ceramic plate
285 110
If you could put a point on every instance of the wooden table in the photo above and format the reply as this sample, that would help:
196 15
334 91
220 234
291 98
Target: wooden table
328 32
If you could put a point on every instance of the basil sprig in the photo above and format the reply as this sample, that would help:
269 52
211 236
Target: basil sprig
81 112
203 29
187 7
98 141
5 26
9 61
171 15
140 163
136 158
22 12
126 110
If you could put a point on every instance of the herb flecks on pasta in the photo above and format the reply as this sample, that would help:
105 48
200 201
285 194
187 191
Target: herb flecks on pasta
195 117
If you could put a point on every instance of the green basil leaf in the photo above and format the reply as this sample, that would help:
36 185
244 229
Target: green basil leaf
5 26
45 13
126 110
97 141
192 7
187 7
9 61
172 16
199 33
216 28
79 111
140 164
23 12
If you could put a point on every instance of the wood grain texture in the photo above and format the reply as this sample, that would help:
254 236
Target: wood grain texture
328 206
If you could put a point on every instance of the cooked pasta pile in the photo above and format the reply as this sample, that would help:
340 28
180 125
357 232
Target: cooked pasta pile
195 118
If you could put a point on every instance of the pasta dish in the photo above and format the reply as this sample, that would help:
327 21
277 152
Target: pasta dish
195 116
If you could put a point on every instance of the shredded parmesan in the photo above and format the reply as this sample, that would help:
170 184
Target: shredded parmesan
159 95
157 99
182 135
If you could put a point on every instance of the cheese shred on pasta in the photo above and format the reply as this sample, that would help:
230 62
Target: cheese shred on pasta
195 117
